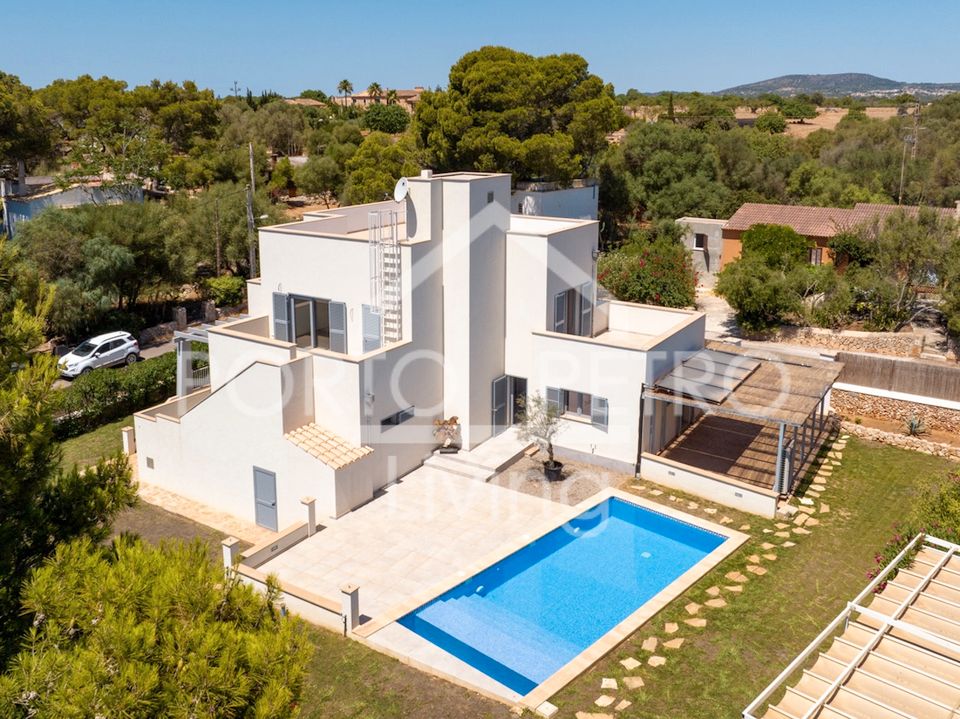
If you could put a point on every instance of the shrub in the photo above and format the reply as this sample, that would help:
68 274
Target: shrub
778 245
914 426
936 512
657 273
761 296
391 119
772 122
227 290
106 394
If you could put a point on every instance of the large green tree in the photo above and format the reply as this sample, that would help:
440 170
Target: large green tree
376 167
40 504
502 108
27 133
141 632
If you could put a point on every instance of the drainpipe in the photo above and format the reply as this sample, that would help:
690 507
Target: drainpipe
643 387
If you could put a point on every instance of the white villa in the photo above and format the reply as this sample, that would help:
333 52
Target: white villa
369 322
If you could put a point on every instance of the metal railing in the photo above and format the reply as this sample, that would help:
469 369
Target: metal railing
200 377
841 619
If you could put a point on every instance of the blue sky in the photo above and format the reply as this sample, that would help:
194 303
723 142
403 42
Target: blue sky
289 45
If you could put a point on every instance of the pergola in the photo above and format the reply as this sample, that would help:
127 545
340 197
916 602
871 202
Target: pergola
189 379
757 387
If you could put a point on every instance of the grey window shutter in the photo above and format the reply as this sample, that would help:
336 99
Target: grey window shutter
586 309
371 329
554 399
560 312
281 316
599 413
338 327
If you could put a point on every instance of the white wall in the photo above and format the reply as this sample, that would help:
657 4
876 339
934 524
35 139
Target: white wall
579 203
209 455
474 289
231 353
580 365
710 486
526 300
706 261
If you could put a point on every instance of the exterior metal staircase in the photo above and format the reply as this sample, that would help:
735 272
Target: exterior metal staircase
386 273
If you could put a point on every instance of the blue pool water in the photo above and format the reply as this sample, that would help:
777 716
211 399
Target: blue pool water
523 618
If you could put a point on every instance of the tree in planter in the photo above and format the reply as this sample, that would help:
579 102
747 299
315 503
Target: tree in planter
540 422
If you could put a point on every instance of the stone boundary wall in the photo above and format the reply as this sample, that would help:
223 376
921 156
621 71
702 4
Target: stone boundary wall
898 344
917 444
853 404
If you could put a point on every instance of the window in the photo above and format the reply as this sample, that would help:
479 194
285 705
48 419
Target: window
699 241
489 197
573 311
816 255
580 404
397 418
310 322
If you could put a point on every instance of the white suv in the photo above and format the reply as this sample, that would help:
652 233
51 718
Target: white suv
105 350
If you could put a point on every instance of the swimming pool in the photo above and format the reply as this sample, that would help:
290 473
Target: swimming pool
522 619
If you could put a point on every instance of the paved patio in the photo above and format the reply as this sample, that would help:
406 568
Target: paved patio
417 533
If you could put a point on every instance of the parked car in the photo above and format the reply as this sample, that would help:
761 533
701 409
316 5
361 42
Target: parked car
112 348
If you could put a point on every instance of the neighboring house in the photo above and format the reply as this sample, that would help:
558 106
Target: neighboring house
579 201
25 201
818 224
370 322
407 99
704 238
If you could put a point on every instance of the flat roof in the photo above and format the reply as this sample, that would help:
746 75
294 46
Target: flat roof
726 379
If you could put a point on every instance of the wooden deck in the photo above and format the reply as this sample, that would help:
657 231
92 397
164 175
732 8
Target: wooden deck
743 450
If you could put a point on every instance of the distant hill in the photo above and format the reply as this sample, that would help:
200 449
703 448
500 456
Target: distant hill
854 84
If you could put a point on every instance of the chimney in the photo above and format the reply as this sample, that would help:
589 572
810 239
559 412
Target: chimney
428 174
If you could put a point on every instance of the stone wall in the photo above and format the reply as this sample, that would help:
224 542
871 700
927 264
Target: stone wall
851 405
903 441
899 344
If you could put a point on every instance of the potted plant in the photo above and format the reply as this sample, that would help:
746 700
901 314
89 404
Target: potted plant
540 422
447 433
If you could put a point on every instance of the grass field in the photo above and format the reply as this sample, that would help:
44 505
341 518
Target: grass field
90 447
722 667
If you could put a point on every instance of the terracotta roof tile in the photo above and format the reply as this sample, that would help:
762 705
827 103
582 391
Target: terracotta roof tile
820 221
329 448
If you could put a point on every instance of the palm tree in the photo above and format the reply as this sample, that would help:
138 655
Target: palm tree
392 97
345 87
375 91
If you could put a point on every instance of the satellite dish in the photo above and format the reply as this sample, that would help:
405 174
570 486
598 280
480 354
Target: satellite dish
400 191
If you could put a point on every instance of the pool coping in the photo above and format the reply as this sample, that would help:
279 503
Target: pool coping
611 639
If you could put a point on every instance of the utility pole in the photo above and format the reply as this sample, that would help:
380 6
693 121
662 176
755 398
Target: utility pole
251 244
251 241
916 131
903 167
216 230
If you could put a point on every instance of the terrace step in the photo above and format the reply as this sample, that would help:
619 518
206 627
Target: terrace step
492 632
464 468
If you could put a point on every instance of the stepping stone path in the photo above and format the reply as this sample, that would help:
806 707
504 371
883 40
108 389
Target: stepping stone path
744 527
781 525
656 661
737 577
824 508
770 557
789 544
734 588
753 559
726 520
624 703
713 591
781 534
608 683
800 530
717 603
812 522
655 492
710 510
629 664
649 644
671 627
692 608
767 545
806 510
604 700
692 505
806 501
756 569
674 643
593 715
633 682
672 498
698 622
801 519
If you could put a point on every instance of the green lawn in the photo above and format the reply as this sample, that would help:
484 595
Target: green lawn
721 668
90 447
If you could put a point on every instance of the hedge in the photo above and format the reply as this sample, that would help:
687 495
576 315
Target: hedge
106 394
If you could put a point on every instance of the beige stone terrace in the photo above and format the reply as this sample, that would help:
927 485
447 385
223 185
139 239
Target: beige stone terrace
416 533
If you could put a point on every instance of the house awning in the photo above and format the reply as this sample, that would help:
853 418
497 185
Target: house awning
726 379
